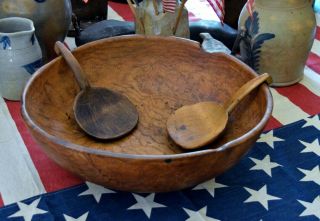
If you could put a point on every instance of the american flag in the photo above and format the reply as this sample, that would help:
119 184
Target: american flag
169 5
218 7
279 179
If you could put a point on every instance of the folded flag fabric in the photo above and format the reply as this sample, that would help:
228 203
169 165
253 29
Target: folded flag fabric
218 7
169 5
279 179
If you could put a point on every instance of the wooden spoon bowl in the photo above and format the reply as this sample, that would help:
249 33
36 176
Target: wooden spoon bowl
159 75
196 125
100 112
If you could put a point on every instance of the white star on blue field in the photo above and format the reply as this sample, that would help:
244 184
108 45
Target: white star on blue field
279 179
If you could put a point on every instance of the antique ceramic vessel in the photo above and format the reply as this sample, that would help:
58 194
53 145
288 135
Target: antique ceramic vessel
159 75
51 19
278 38
20 55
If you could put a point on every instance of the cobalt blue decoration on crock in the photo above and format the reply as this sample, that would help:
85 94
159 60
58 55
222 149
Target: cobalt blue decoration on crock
5 41
251 41
33 39
52 19
32 67
293 23
20 55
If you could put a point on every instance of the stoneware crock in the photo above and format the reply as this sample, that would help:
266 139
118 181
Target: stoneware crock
20 55
279 37
51 19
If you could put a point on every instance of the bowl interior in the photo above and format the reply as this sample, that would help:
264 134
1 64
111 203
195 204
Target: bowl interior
158 75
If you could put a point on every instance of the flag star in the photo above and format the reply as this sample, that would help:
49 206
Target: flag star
311 208
311 175
81 218
260 196
210 186
314 121
96 191
269 138
198 215
146 204
313 147
265 164
28 211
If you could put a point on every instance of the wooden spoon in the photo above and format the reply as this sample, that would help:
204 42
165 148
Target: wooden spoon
100 112
196 125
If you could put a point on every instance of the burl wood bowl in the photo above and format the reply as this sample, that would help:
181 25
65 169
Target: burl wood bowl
158 75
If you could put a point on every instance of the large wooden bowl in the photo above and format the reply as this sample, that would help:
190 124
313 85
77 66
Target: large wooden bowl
158 75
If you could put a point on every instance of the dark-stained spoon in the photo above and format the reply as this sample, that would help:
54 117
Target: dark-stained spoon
100 112
196 125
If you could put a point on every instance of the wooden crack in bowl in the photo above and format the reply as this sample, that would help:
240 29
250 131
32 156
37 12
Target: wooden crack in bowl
159 75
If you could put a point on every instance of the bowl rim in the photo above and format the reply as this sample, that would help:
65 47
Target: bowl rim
108 153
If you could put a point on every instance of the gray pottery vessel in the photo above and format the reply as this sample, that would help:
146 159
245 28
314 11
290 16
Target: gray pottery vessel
20 55
279 38
51 19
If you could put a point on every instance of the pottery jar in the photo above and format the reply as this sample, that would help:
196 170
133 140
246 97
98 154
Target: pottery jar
51 19
20 55
278 38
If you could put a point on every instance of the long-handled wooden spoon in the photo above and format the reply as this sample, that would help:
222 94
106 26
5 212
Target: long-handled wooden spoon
196 125
100 112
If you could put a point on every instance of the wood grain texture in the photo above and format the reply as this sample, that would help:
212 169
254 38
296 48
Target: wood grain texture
100 112
194 126
105 114
158 75
244 90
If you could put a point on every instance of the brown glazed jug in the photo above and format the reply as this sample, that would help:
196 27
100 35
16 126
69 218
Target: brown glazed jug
278 38
51 19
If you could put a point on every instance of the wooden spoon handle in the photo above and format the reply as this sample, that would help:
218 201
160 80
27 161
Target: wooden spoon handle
245 90
80 75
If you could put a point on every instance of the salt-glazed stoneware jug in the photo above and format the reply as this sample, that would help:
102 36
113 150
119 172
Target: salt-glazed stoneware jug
20 55
278 38
51 19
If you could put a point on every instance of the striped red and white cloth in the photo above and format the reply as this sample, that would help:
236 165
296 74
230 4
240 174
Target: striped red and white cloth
218 7
25 171
169 5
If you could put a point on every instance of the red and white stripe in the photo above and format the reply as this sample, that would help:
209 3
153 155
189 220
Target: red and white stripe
26 171
169 5
218 7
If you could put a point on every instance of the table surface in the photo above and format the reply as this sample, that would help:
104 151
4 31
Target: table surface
27 175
